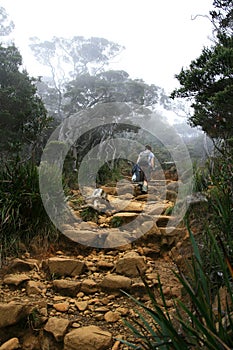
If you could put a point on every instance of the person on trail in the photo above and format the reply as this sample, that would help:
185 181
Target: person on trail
146 161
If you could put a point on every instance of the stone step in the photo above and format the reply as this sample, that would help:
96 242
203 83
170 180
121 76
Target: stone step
162 220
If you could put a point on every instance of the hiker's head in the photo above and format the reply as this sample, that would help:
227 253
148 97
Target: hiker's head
148 147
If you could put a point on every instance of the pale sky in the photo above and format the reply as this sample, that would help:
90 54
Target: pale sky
159 36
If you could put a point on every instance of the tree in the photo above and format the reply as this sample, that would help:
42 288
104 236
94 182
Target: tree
74 56
6 25
222 16
23 116
108 86
209 80
79 76
67 59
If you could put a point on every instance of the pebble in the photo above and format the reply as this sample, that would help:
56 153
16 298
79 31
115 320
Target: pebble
99 305
111 317
61 307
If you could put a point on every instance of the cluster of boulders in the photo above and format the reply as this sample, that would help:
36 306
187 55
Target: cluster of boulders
123 217
76 303
79 302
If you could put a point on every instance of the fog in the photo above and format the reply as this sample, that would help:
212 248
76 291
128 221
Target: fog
160 37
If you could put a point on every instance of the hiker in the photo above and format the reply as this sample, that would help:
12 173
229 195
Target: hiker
138 177
146 161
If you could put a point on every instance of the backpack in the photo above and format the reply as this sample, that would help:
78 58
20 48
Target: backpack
144 158
137 174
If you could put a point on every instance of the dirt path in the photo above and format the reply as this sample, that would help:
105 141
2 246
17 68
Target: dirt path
83 285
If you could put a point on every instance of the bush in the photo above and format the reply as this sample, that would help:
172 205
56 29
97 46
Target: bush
204 317
116 221
22 212
89 214
221 195
204 321
109 173
215 181
220 212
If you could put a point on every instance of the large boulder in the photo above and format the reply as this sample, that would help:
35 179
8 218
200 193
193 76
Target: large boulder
87 338
66 287
20 265
15 279
12 313
57 327
131 265
64 266
115 282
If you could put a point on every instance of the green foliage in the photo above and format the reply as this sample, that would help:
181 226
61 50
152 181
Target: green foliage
77 201
215 181
34 319
53 190
169 210
79 79
89 214
109 173
220 195
203 318
54 170
222 16
67 59
70 173
116 221
201 178
110 86
22 212
222 205
50 179
204 321
221 172
23 117
209 79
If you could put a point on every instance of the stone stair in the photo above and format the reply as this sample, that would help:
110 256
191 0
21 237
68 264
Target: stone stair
74 300
123 216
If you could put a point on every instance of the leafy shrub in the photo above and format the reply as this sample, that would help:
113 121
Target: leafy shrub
116 221
22 212
201 178
204 317
70 173
203 321
111 173
89 214
220 213
221 194
215 180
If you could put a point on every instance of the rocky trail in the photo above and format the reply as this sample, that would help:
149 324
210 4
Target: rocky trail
71 298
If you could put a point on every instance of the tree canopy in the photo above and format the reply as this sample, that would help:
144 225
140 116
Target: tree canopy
108 86
222 16
70 58
6 25
208 81
22 114
80 77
